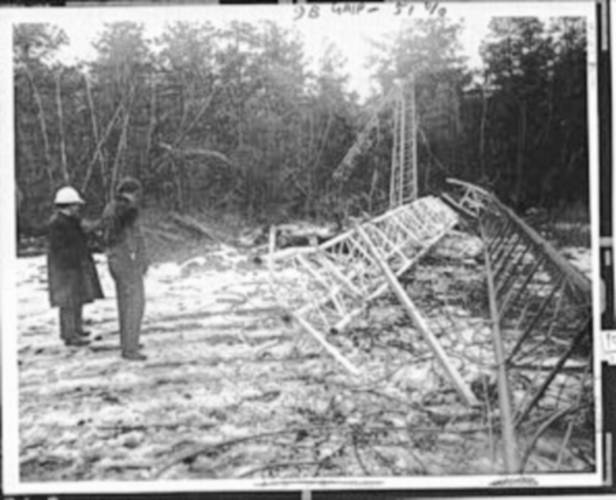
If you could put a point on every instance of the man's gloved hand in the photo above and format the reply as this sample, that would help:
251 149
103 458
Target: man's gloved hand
89 226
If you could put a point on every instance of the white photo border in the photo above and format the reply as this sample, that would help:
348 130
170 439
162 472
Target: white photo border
10 407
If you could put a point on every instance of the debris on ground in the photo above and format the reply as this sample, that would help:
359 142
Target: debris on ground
232 389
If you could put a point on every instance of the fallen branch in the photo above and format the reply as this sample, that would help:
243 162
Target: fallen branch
194 225
358 457
203 448
128 465
199 449
556 416
164 235
281 254
279 465
156 425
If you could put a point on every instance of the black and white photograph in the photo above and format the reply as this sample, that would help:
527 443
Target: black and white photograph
333 245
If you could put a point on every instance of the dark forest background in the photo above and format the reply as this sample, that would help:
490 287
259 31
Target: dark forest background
234 119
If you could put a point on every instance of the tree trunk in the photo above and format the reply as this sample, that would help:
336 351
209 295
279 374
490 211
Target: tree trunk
63 164
152 124
323 141
482 130
183 133
98 154
117 164
98 151
42 123
518 194
179 192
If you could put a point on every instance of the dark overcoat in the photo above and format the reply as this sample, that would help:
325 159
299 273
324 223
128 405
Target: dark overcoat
71 272
124 241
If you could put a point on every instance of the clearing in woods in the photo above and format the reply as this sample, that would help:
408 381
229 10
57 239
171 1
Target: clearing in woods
231 390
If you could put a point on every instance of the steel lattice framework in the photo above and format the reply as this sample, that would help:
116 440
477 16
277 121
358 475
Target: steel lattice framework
403 172
540 307
338 279
403 180
538 304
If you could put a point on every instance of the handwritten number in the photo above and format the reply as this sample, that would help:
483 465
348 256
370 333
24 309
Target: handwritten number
299 11
401 4
431 5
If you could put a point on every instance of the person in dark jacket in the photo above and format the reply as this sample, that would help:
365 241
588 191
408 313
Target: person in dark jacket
128 262
72 277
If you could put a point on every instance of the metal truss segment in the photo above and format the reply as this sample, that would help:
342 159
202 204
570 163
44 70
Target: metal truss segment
543 303
342 276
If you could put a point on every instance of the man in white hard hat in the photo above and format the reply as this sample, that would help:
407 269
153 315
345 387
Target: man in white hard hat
72 277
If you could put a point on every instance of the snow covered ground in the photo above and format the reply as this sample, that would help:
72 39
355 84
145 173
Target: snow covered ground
225 370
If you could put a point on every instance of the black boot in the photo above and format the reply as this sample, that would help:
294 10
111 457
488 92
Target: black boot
79 342
135 356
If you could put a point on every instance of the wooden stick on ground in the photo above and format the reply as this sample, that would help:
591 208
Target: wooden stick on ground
463 390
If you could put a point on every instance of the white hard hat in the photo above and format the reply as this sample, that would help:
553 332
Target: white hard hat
67 196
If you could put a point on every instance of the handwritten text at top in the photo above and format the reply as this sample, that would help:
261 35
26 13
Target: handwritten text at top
400 7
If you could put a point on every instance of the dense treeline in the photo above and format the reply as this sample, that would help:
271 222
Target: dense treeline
233 117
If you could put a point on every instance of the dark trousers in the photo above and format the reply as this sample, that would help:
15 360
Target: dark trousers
131 306
70 322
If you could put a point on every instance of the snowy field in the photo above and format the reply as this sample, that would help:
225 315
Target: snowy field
230 390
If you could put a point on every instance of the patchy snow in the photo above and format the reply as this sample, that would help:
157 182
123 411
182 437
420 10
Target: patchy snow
222 365
580 257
